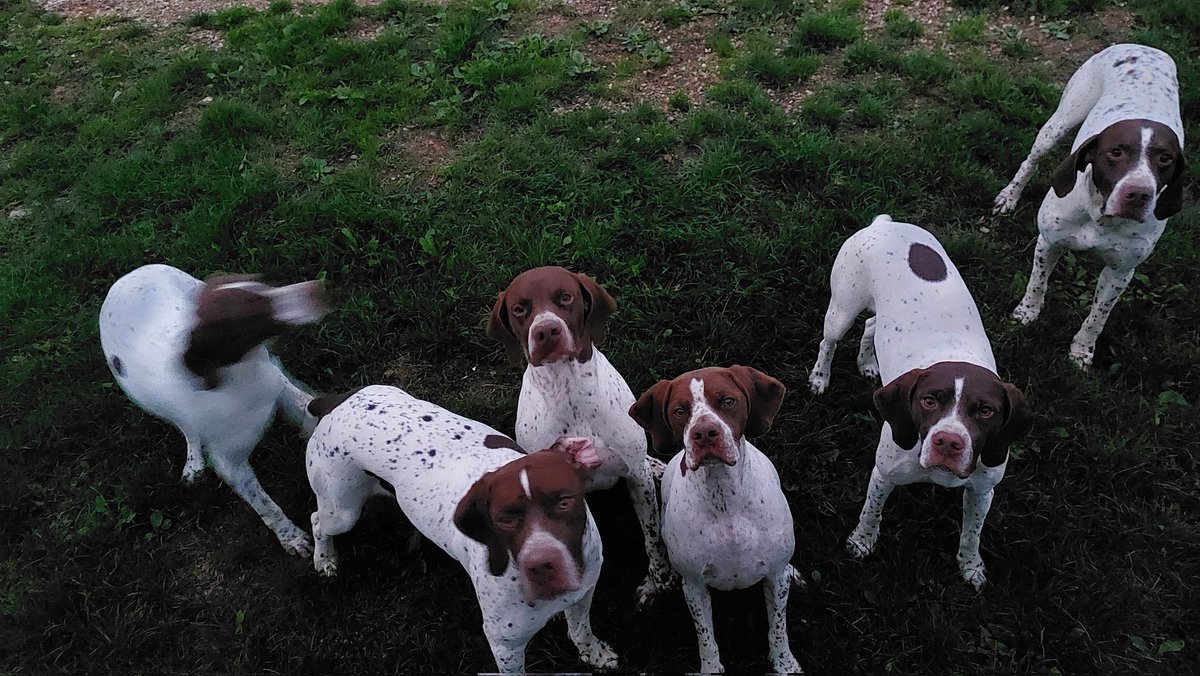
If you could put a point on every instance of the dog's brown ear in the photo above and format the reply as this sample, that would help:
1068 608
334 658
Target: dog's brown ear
472 517
1170 200
599 305
765 394
1063 178
498 327
650 412
320 407
1018 421
894 403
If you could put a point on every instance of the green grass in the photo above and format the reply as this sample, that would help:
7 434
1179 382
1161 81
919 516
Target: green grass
298 151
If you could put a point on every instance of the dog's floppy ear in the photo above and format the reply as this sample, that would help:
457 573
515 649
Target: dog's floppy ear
894 403
765 394
650 412
498 327
599 305
1063 178
1170 200
1018 421
320 407
472 517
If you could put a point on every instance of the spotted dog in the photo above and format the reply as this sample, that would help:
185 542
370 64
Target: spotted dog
1123 179
949 419
192 353
726 522
517 523
553 320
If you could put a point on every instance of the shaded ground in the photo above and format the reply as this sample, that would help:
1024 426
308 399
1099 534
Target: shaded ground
703 160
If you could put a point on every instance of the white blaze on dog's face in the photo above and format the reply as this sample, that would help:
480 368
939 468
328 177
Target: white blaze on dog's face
548 315
532 511
960 413
1137 168
708 413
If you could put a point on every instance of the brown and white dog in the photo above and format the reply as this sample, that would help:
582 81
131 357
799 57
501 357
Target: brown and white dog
192 353
726 521
949 419
517 523
553 320
1123 179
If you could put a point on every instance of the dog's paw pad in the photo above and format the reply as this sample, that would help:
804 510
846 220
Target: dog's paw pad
297 545
975 577
326 567
818 382
858 547
1081 356
600 655
787 664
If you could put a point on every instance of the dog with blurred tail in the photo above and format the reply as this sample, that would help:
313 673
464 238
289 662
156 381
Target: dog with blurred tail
192 353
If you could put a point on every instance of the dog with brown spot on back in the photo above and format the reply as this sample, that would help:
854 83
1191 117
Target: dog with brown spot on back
949 419
1114 193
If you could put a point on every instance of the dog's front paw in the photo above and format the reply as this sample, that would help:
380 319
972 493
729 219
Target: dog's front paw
297 544
869 369
818 382
973 571
599 655
191 473
326 566
786 663
860 545
656 583
1006 201
1081 354
1026 312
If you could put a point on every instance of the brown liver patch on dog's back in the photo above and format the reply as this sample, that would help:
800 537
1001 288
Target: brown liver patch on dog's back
926 263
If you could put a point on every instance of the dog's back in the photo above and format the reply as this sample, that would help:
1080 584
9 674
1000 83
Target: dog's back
924 312
1128 82
429 455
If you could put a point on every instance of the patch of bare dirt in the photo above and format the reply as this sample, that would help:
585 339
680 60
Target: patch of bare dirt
931 13
156 12
1109 26
692 69
420 153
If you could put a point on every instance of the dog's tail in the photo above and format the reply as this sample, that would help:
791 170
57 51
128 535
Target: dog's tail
293 402
881 218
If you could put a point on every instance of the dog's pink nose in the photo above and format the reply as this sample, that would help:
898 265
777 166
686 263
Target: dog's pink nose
705 434
1137 197
948 444
541 571
546 334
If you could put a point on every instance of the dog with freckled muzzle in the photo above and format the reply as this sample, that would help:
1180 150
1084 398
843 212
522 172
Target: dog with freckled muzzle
949 418
1121 182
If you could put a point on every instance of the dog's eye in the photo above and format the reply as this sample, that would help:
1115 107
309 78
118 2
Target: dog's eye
726 402
564 503
519 310
1165 159
511 518
565 298
1115 154
680 411
985 412
929 402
